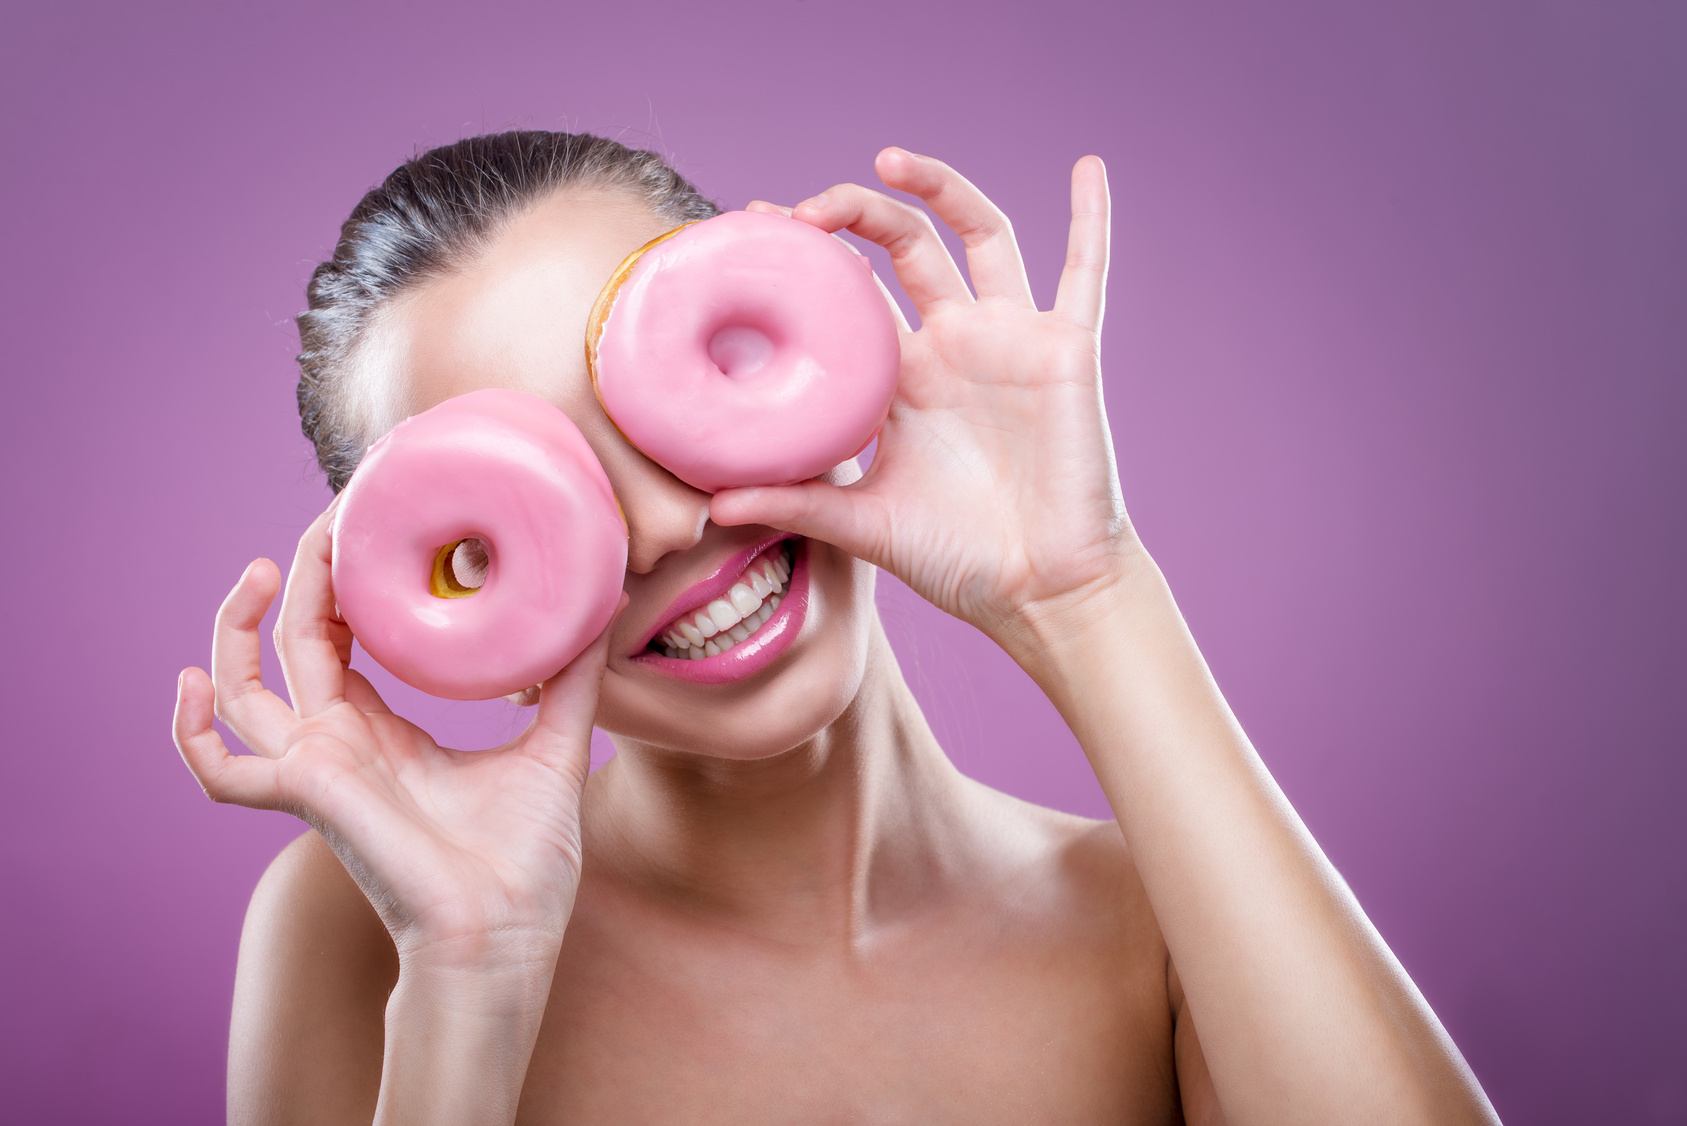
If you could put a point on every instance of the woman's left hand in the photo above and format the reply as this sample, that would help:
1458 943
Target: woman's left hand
993 492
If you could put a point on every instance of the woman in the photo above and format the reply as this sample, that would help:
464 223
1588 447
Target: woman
779 902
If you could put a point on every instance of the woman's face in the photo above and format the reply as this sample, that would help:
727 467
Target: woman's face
515 318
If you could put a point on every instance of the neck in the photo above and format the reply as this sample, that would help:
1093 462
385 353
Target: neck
828 839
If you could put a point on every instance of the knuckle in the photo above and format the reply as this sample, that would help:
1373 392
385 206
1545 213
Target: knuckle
990 225
916 216
909 228
209 787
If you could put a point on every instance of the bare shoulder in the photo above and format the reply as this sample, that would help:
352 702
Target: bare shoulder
1078 873
316 966
1101 904
1083 962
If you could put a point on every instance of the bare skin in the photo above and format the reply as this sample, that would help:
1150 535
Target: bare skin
780 902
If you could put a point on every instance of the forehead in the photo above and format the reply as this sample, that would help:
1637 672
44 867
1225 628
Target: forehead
514 316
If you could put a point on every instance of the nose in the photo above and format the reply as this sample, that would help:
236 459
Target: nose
663 513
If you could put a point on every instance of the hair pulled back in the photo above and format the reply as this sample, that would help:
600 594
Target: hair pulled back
435 212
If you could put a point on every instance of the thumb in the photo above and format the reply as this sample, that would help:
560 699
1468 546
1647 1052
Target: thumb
568 701
848 517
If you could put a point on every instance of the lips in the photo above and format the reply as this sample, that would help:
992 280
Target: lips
736 622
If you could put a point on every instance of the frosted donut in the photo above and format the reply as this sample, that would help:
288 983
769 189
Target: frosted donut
747 349
479 548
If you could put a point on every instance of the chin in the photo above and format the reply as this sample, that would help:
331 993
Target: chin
778 709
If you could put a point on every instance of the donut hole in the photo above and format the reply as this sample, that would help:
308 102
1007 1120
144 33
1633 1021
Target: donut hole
740 351
459 568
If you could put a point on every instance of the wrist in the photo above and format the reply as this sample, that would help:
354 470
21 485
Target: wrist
469 929
497 989
1047 636
459 1034
509 949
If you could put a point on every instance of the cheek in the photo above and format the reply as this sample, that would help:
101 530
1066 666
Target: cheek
850 586
839 631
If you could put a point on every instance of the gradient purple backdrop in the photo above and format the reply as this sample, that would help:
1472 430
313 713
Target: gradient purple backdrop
1397 369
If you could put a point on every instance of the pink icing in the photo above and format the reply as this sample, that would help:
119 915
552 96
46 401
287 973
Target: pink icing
514 471
749 349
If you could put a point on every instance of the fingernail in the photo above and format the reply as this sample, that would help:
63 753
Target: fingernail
815 201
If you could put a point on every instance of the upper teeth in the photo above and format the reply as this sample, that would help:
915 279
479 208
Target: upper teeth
726 621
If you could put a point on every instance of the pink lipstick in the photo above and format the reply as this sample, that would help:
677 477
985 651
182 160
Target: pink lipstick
737 621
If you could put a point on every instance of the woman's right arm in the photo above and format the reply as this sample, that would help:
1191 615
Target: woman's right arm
468 861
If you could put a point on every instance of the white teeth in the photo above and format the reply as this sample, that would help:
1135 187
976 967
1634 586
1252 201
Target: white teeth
730 620
725 617
743 599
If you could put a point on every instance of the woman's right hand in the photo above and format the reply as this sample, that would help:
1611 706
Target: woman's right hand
469 857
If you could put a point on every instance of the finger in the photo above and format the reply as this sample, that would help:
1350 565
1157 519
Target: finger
243 779
850 518
313 643
1082 296
884 290
763 207
922 262
363 695
260 717
562 730
993 258
896 313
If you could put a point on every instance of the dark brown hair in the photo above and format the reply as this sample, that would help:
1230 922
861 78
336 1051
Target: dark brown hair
435 212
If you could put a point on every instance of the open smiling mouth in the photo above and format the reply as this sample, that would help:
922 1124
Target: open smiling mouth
737 617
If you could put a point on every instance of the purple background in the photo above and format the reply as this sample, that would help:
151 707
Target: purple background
1397 360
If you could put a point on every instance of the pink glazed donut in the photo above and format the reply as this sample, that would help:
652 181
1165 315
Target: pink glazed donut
479 548
748 349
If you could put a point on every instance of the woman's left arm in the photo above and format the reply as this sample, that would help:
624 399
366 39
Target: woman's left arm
994 494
